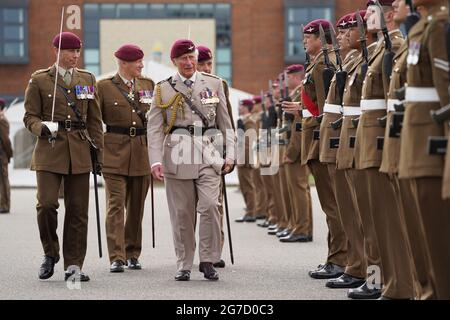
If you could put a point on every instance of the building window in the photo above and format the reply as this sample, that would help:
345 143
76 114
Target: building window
13 32
221 12
298 12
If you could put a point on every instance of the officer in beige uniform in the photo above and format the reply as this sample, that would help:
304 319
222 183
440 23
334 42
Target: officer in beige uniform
313 100
410 218
297 174
245 160
384 207
6 154
205 64
77 118
427 76
355 270
186 109
362 225
125 98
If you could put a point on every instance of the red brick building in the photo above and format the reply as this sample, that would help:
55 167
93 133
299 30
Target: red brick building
255 39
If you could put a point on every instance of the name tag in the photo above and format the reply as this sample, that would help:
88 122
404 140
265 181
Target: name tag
145 96
85 92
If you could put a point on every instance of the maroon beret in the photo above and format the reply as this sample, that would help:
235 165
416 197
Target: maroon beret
256 99
2 103
129 52
69 40
313 26
343 23
387 3
295 68
204 53
181 47
247 102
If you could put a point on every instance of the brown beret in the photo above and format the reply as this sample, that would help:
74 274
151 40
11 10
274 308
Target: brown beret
129 52
69 41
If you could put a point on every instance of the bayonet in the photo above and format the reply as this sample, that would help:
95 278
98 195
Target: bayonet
362 40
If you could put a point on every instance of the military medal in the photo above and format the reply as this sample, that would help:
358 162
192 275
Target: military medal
130 95
145 96
90 94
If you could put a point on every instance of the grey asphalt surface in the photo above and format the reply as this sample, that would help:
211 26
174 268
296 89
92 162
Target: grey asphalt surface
264 267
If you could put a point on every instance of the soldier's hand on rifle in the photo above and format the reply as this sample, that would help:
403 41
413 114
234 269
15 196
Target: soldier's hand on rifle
158 172
98 169
227 166
291 107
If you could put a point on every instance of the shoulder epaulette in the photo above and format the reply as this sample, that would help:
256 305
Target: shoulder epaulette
41 71
83 71
211 75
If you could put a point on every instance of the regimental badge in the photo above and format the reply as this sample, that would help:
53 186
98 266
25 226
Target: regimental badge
85 92
413 53
145 96
209 97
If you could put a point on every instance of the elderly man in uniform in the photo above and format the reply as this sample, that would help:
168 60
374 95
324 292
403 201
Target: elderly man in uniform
186 109
6 154
205 64
428 80
77 120
125 98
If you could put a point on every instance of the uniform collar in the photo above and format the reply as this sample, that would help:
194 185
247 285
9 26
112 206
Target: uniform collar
62 71
124 79
193 78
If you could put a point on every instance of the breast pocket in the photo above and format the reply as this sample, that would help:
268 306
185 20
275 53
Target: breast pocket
170 158
116 110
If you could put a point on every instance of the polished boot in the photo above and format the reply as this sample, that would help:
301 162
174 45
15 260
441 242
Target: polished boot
345 281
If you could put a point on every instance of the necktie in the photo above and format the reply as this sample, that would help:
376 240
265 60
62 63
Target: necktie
67 77
188 83
130 85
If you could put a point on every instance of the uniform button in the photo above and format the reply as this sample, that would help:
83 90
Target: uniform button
49 95
68 117
68 104
345 90
193 111
115 103
134 110
134 123
68 91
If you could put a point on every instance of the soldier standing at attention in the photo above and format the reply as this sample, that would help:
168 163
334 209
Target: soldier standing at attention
124 100
6 154
77 118
186 109
428 80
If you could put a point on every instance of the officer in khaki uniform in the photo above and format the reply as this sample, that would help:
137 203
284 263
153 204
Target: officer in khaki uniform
245 159
428 81
69 156
362 226
186 109
313 100
384 207
409 214
124 99
297 174
205 63
6 154
355 269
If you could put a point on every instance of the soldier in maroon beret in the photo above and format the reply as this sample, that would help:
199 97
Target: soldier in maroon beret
62 153
205 59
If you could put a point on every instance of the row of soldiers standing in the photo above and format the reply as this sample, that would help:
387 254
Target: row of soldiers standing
366 121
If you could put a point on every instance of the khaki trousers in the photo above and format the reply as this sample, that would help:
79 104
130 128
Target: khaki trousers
395 258
278 200
351 222
270 201
260 193
76 201
5 190
435 217
125 199
181 198
421 262
245 176
284 218
337 241
300 197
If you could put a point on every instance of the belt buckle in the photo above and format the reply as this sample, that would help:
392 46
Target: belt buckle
191 130
132 132
68 124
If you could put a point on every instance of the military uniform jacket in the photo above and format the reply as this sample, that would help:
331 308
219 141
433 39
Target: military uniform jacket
314 87
374 91
293 150
430 73
245 157
163 149
327 154
6 151
125 154
71 153
391 150
226 90
351 106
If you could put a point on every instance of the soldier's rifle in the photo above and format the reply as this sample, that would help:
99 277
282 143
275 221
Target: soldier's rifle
341 76
272 111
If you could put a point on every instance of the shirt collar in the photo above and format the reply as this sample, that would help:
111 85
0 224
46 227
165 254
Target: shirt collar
193 78
125 80
62 71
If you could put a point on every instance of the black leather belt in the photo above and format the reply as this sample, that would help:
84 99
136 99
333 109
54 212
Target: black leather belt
131 131
190 130
68 125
